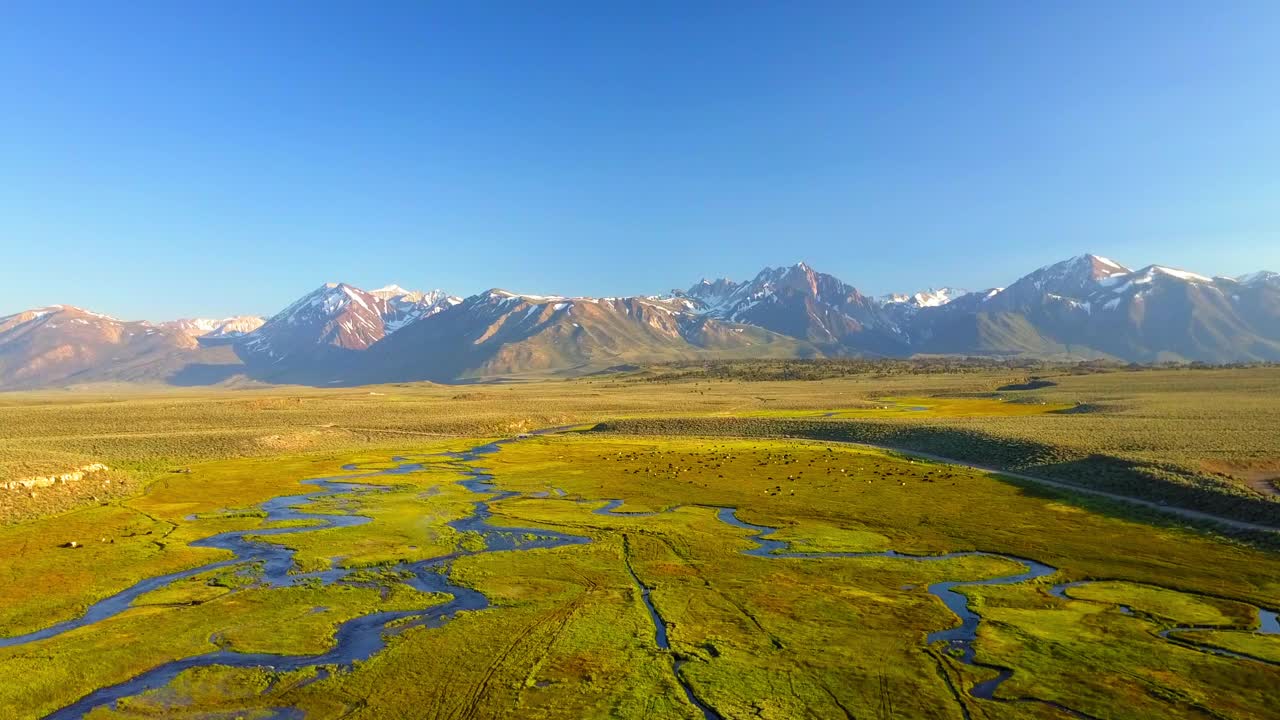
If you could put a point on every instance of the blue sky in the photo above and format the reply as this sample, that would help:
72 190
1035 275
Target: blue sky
174 159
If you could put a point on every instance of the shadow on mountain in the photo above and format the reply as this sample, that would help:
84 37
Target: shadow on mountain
201 374
326 366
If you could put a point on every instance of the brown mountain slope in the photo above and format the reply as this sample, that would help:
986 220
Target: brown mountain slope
499 333
61 344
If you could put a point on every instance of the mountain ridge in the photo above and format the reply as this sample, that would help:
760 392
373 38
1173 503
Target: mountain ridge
1083 307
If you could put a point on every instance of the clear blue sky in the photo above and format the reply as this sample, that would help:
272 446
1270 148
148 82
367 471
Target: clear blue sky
172 159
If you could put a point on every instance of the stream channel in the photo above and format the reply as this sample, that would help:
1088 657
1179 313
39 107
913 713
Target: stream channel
359 638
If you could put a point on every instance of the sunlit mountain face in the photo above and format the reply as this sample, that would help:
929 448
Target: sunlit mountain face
1085 307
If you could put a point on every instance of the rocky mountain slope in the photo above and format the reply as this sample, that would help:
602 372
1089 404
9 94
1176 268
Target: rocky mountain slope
1083 307
799 302
62 344
319 336
498 333
922 299
212 330
1093 307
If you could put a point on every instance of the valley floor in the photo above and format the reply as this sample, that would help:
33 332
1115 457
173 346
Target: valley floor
608 570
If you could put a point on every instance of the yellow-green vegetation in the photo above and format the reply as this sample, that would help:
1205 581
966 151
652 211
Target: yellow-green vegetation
1195 437
779 638
197 589
1095 659
208 688
566 638
1199 439
809 488
48 674
1266 647
223 609
146 536
923 407
1167 605
407 523
45 583
567 633
822 536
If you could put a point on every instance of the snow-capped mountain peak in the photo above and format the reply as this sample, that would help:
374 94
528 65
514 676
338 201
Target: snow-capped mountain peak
1105 264
1084 267
339 317
793 300
395 292
1153 270
926 298
1262 277
411 306
711 294
1086 306
216 328
390 291
328 299
399 296
1138 279
1076 278
53 316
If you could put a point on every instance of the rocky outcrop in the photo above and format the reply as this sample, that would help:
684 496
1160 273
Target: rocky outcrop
42 481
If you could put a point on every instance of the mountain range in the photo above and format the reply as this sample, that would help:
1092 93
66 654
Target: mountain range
1086 307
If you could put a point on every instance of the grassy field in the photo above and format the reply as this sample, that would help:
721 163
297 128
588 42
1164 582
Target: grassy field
567 633
1201 439
1196 437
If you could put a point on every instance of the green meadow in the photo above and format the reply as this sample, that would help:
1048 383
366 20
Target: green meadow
655 609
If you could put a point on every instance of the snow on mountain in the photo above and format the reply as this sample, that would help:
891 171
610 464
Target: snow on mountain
726 299
799 302
63 343
1180 274
926 298
326 325
711 294
1262 277
1117 289
395 291
1067 283
499 332
230 327
1091 304
1086 306
412 305
333 317
1069 277
52 317
657 311
1085 284
1147 275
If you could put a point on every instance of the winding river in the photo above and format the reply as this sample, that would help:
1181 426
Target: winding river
959 638
356 639
361 637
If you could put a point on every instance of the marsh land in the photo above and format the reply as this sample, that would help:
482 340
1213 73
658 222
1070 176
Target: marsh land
743 540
